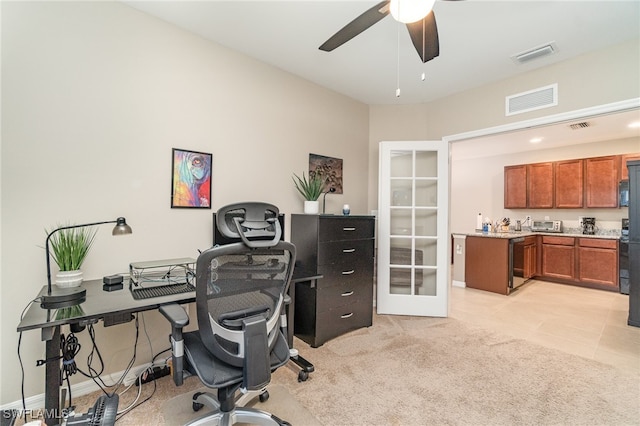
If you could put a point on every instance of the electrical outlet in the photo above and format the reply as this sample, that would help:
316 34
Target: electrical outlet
580 220
527 220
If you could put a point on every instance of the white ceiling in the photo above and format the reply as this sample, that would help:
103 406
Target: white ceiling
477 40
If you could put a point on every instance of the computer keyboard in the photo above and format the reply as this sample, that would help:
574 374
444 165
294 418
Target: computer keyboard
162 290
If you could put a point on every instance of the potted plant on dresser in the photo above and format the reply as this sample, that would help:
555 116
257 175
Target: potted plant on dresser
70 248
310 189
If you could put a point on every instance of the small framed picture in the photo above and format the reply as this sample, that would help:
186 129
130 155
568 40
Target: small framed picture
191 179
329 168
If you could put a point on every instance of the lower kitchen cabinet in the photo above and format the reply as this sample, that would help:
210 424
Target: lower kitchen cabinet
487 264
591 262
341 249
598 261
584 261
558 257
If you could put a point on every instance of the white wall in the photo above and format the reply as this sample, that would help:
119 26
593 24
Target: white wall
603 77
94 97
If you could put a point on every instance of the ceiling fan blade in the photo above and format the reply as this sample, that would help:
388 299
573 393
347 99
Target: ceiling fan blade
358 25
424 35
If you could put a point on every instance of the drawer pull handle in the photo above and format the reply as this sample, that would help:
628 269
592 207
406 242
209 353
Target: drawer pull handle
348 272
347 293
345 316
348 250
349 229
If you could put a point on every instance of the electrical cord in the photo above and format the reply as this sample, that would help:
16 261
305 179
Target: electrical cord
149 369
24 404
69 347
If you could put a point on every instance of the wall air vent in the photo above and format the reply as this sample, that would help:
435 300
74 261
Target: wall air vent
543 97
578 126
535 53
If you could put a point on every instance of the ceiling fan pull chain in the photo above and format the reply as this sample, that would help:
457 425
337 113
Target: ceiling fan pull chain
398 66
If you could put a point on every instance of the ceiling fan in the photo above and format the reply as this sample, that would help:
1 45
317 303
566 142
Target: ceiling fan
421 23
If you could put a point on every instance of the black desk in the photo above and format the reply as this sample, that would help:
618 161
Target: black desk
113 308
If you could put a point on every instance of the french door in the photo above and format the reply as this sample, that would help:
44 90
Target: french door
413 211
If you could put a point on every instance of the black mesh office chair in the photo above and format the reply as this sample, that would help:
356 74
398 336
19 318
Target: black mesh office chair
240 296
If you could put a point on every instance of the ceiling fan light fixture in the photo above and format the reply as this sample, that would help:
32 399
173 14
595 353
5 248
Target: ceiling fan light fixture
408 11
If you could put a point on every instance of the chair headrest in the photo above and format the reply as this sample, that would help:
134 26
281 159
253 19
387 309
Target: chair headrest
255 223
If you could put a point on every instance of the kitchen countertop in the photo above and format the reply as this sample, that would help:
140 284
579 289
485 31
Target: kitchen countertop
610 235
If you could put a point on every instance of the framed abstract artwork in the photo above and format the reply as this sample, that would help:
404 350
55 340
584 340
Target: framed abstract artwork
328 167
191 179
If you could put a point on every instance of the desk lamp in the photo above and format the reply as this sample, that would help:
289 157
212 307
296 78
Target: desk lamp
63 297
324 198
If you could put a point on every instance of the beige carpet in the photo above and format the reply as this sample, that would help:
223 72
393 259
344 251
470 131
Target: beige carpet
411 371
408 370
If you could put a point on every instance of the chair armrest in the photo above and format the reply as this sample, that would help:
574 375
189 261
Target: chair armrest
178 318
176 315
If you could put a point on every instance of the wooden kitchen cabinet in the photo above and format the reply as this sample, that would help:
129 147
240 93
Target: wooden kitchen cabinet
601 176
569 184
598 261
540 185
515 187
558 257
487 264
624 172
529 186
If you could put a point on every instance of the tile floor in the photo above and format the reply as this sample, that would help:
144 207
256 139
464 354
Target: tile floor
585 322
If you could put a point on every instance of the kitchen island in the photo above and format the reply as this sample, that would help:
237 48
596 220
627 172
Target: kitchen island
500 262
489 261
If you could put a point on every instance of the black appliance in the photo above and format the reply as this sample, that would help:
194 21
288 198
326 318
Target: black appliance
589 225
634 242
623 259
623 193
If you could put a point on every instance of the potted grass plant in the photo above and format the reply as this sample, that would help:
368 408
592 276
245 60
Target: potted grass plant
310 189
69 250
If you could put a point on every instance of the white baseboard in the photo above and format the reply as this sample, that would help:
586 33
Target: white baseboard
458 283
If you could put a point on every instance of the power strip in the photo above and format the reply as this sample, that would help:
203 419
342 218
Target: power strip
149 376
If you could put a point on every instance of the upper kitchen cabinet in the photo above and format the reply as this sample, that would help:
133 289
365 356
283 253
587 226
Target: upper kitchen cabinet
624 172
569 179
540 186
568 184
528 186
515 187
601 181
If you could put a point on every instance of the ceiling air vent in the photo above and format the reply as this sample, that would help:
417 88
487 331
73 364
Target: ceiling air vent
535 53
543 97
578 126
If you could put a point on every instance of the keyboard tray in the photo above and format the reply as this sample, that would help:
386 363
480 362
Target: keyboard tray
163 290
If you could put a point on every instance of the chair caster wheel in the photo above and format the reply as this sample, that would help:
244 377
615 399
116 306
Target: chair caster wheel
303 376
264 396
196 405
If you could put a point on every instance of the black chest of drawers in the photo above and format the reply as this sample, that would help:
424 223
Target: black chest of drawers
341 249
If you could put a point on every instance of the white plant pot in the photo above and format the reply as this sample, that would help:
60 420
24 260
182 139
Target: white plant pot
66 279
311 207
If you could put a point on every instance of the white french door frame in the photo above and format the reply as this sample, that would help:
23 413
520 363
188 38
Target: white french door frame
409 299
